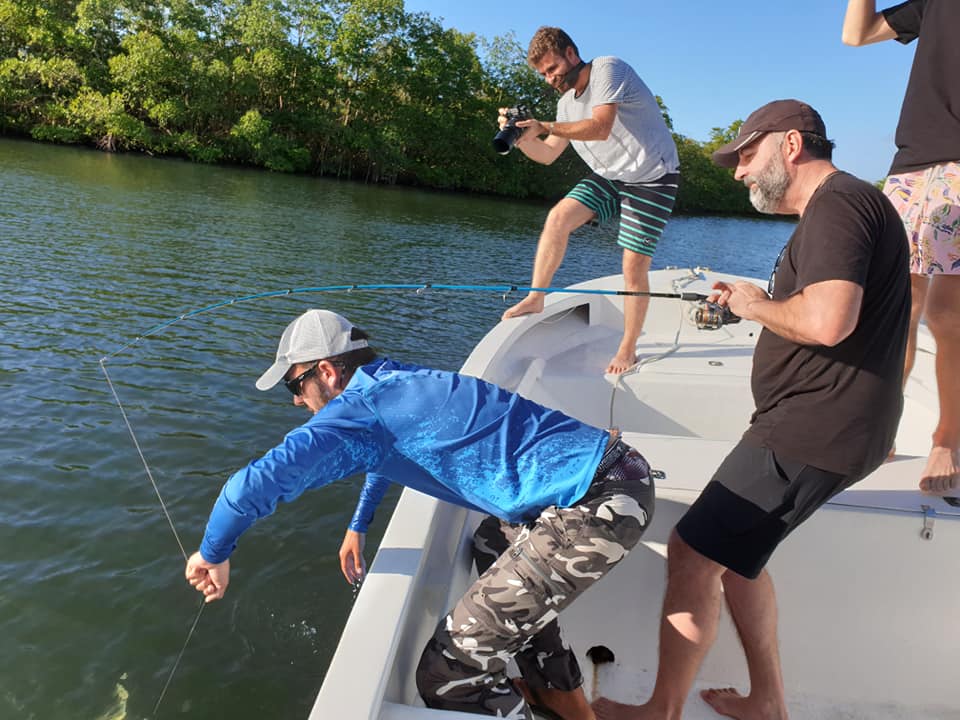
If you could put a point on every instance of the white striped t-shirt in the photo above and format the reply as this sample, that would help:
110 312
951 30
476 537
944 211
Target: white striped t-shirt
640 147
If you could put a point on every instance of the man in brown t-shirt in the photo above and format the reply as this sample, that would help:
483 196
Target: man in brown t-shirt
826 382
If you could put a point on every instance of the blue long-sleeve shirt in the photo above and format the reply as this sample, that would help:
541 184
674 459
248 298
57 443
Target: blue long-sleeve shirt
451 436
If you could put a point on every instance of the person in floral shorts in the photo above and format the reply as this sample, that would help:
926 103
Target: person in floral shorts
924 187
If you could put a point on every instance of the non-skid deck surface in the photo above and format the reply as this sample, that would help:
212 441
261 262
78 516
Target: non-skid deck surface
634 687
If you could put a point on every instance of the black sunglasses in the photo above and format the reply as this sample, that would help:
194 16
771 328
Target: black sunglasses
773 275
295 386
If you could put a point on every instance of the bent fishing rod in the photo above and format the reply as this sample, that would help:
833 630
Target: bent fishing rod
707 316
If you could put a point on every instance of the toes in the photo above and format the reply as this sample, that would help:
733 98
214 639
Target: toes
939 485
721 699
619 367
604 709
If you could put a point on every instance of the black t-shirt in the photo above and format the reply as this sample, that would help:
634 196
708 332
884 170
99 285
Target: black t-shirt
929 129
837 408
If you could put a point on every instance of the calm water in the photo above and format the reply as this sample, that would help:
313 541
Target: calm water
96 249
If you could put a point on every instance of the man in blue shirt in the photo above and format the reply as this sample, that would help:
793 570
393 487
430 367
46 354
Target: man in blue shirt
553 482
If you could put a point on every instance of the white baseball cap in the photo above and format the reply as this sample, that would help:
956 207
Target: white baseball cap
315 335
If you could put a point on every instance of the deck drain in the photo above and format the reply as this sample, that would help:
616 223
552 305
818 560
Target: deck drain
600 654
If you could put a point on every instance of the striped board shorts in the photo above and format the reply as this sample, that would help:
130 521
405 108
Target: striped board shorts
643 208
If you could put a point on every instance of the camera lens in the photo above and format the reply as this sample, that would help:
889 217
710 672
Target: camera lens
506 138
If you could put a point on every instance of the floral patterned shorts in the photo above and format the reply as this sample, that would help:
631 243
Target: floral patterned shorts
929 203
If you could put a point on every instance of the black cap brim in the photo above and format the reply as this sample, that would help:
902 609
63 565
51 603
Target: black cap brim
728 156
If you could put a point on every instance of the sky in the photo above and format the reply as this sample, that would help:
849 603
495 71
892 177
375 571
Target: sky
715 62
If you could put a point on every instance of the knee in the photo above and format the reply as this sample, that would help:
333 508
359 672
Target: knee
561 220
430 676
636 262
943 320
683 560
636 267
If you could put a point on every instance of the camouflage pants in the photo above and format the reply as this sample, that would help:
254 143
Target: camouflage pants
511 609
545 661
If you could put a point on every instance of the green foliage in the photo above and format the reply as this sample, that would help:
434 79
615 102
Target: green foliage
31 90
705 187
359 89
189 145
102 120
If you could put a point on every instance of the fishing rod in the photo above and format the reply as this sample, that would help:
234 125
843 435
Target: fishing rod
707 316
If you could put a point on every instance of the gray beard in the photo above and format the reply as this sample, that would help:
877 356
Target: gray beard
769 186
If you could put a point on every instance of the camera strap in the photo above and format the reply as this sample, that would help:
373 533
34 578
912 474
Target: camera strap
570 78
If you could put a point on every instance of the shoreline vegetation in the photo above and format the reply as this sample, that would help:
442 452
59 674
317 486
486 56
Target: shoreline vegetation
355 89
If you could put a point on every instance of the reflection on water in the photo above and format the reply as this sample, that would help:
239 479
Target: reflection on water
98 249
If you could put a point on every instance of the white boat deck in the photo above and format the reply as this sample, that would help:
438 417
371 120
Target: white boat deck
867 588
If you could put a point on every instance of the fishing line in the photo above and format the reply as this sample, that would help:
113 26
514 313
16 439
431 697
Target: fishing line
173 528
502 290
136 444
176 663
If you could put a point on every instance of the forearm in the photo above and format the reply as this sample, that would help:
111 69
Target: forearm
559 134
539 150
248 495
583 130
371 495
224 527
784 318
863 25
309 457
807 319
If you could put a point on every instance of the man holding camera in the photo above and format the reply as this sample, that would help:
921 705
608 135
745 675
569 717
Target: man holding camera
614 123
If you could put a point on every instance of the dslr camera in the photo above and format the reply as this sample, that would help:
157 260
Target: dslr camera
505 139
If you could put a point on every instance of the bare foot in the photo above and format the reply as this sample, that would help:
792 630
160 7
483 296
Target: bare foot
566 704
611 710
621 362
892 455
942 474
529 305
730 703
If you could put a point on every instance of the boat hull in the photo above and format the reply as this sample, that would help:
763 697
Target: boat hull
866 588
